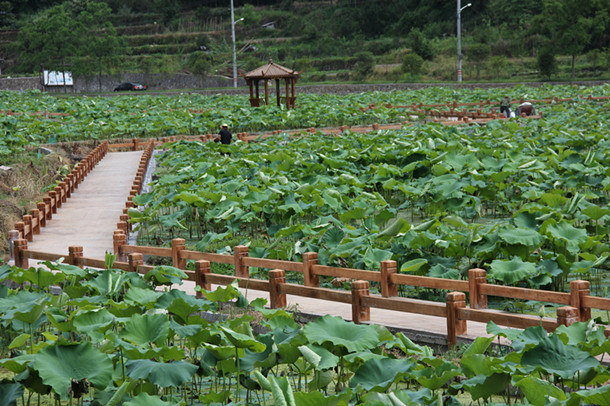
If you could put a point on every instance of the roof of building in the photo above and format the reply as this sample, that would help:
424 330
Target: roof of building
271 71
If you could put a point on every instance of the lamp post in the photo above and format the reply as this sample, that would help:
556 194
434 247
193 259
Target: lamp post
233 22
459 37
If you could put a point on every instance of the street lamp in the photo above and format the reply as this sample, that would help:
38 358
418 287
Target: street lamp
459 37
233 22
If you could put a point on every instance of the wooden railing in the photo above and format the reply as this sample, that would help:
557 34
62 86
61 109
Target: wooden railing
37 218
130 258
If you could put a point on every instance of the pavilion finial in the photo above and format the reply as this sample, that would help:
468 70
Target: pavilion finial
270 60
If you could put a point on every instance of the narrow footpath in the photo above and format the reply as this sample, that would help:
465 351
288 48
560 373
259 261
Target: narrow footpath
90 217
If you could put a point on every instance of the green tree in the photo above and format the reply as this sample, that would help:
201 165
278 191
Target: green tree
365 62
419 44
412 63
69 34
571 25
478 54
547 64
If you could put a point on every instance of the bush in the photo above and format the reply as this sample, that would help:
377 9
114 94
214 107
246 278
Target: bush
498 65
199 63
412 63
547 63
419 44
365 61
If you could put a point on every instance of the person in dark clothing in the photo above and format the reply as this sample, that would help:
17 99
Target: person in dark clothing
505 107
224 136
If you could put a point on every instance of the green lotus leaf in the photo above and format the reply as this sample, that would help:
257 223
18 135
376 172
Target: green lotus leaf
523 236
512 271
317 398
23 302
554 357
240 340
413 265
537 391
165 375
436 378
483 387
398 398
141 297
336 332
146 328
59 365
373 257
379 374
166 275
144 399
94 321
596 396
282 391
10 392
595 212
332 237
571 235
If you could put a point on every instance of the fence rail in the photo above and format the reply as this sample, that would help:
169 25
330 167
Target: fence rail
454 310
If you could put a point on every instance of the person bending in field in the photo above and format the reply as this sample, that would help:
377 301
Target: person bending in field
505 106
224 136
525 108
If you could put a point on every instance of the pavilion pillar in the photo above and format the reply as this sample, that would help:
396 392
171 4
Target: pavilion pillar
258 95
267 91
287 94
277 91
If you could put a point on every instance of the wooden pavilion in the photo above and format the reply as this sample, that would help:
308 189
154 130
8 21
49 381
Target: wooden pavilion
272 71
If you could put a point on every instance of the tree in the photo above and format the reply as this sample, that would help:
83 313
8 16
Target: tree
412 63
365 62
478 54
69 34
547 64
571 25
419 44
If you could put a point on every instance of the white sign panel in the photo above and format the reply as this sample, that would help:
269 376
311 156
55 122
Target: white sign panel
55 78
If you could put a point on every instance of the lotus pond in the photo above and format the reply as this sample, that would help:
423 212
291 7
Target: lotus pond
105 337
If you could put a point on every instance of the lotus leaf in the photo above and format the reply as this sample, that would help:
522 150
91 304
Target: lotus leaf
10 392
334 332
318 399
145 329
59 365
379 374
162 374
144 399
512 271
538 391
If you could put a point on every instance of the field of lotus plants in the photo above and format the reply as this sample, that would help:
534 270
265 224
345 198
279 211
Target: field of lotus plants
106 337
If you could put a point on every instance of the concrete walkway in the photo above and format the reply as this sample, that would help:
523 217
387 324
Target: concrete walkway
90 216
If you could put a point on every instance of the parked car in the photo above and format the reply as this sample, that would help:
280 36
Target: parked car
130 86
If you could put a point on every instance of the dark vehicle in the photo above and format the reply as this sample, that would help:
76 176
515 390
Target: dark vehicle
130 86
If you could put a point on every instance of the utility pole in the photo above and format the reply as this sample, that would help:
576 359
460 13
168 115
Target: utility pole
459 37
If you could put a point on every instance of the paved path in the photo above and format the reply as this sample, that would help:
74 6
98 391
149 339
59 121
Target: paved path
90 216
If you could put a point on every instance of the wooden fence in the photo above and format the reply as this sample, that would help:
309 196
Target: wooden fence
578 302
37 218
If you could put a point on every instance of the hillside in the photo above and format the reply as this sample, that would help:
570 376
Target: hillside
335 40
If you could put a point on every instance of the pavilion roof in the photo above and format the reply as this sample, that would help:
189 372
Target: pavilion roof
271 71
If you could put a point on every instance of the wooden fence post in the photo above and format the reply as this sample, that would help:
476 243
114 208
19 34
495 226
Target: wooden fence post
48 202
579 289
42 209
53 196
178 244
35 213
241 270
64 191
20 226
19 245
276 278
388 288
567 315
75 252
27 223
455 326
118 240
13 235
135 144
135 260
124 218
360 313
476 277
202 268
309 260
58 199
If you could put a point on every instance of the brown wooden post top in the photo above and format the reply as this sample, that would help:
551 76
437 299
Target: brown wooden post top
135 260
309 260
135 144
476 277
53 196
178 244
578 290
27 227
202 269
276 278
42 209
20 227
360 313
13 235
75 252
388 288
567 315
241 270
455 326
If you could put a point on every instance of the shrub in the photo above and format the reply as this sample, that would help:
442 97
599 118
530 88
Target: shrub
419 43
365 62
199 63
412 63
547 63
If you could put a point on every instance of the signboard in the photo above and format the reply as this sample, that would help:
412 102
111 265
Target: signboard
55 78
